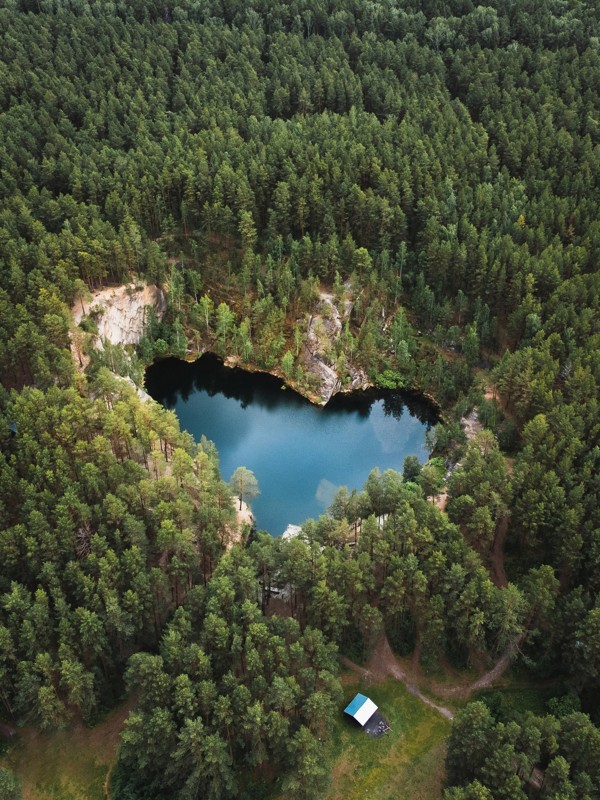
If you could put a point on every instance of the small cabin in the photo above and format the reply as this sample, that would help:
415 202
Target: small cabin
361 709
366 713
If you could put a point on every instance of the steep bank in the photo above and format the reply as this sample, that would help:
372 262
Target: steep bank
120 313
324 329
317 355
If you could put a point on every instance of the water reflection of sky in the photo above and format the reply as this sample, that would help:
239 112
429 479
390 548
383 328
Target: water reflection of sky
301 454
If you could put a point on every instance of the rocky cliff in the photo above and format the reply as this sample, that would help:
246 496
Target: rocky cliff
120 313
324 328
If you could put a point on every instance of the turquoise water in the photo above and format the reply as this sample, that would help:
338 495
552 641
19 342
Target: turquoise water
300 453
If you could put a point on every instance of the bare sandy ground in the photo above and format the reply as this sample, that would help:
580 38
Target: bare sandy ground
244 519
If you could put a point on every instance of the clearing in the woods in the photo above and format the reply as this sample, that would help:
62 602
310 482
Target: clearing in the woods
407 762
73 764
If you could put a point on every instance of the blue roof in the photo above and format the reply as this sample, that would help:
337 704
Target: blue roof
353 707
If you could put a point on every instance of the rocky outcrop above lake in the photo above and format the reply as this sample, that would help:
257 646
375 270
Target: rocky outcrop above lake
324 329
120 316
120 313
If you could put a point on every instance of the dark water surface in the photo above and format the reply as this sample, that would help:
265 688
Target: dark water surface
300 453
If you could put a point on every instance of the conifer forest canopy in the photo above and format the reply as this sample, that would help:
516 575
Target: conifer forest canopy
432 167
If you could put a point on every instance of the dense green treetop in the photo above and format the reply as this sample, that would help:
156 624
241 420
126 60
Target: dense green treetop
436 164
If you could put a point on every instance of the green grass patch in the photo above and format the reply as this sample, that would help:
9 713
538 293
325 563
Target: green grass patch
72 764
58 767
509 703
407 763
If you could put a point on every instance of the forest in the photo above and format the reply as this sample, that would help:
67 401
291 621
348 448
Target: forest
434 164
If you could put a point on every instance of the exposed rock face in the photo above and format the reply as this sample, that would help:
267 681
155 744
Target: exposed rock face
120 312
139 391
471 424
324 328
291 531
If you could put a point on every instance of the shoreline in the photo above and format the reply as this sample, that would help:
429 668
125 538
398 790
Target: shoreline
120 313
436 412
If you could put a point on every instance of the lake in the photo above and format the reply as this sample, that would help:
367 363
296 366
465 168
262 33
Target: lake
300 453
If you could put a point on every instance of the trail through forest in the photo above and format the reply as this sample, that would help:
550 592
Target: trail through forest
383 663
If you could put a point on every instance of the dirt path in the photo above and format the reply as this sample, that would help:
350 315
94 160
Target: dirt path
384 663
499 667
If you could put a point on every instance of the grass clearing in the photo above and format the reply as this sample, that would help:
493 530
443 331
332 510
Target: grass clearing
508 702
407 763
72 764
